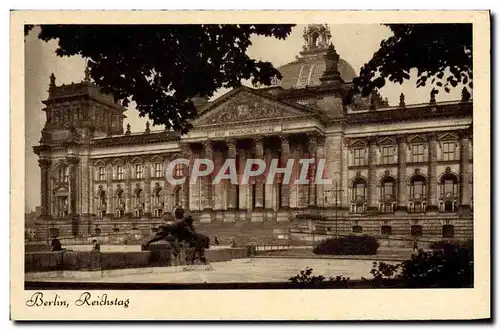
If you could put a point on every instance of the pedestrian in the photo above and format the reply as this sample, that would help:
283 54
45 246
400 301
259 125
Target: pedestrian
216 241
55 244
415 245
96 246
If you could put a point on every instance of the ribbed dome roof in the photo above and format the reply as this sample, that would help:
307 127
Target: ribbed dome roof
306 71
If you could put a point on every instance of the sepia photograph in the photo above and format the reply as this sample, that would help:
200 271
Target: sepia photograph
299 155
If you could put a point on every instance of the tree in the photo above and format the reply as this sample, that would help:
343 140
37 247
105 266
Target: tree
163 67
441 53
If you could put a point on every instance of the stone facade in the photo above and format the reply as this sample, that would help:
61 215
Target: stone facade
395 170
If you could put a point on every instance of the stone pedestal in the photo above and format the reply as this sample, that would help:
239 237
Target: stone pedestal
283 215
242 215
257 216
229 216
270 215
207 216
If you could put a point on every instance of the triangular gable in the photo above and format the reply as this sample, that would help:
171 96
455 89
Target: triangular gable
386 141
417 139
245 105
448 137
358 144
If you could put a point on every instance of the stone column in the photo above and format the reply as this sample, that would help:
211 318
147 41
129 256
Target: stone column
432 175
372 175
285 187
128 191
85 195
44 186
313 148
464 173
72 162
243 202
207 181
186 153
259 181
402 149
231 154
147 188
109 191
320 154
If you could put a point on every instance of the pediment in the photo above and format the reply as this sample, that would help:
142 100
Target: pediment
358 144
448 137
417 139
387 141
247 105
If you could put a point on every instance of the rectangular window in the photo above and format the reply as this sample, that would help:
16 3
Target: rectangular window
102 173
359 156
158 170
387 155
139 169
388 189
178 171
417 153
119 172
449 151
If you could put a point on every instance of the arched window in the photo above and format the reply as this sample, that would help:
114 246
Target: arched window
358 203
418 188
387 194
359 189
448 193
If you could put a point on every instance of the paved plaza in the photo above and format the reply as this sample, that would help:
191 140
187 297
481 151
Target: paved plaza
239 270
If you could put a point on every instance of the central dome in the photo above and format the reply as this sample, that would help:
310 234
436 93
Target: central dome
307 69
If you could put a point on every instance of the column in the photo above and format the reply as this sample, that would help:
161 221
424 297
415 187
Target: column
313 146
432 175
285 187
109 191
259 181
72 162
207 180
320 154
44 186
231 154
402 149
186 153
372 175
243 202
128 192
464 171
86 183
147 188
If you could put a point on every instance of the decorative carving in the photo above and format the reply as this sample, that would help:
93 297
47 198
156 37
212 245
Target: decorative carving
243 108
127 132
448 169
417 171
147 128
52 83
433 97
322 140
402 101
465 95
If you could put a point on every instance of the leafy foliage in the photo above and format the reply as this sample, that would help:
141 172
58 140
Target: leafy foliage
447 265
162 67
441 53
305 278
348 245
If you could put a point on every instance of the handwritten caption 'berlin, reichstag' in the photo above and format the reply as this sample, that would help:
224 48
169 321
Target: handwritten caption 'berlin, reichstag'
85 299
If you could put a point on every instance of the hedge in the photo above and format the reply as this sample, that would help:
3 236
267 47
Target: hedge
348 245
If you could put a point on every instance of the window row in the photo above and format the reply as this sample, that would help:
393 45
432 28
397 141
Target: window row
447 194
388 154
137 172
447 231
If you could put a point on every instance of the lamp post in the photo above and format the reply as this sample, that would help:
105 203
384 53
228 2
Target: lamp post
336 191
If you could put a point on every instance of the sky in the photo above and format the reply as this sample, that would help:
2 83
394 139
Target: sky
354 43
